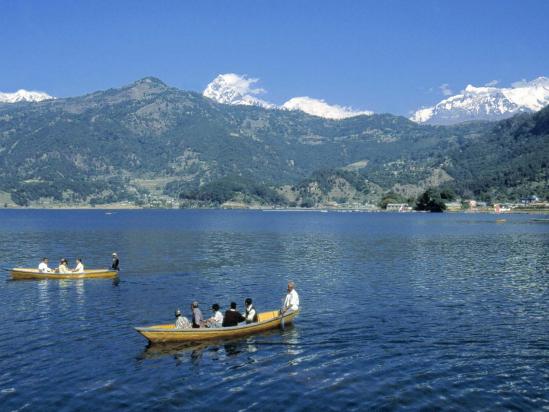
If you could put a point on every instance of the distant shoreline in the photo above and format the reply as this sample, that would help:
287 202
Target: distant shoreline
274 210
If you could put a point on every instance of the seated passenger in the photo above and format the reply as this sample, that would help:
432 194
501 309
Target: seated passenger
43 266
181 322
217 319
79 266
232 316
64 267
198 319
251 313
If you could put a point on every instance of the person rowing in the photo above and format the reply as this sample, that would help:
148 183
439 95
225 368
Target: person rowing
115 262
291 302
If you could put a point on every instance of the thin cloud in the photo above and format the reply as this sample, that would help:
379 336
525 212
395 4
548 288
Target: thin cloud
318 107
520 83
445 89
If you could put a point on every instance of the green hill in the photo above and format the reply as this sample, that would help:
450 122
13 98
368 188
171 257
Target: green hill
148 140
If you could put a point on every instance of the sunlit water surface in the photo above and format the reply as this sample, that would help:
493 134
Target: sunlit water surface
399 311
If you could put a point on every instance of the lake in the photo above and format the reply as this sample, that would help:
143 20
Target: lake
399 311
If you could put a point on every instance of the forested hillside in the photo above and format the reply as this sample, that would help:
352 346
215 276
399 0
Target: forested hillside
508 162
147 139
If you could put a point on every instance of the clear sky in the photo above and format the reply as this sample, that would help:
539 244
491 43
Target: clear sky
385 56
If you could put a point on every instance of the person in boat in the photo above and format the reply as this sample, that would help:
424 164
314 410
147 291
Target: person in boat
251 313
43 266
181 322
232 316
291 302
79 266
115 262
64 267
217 319
198 319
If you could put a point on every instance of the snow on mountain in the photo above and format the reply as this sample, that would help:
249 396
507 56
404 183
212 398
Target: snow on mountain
231 88
318 107
24 96
487 103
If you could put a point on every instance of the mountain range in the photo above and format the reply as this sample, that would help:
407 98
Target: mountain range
149 141
487 103
472 104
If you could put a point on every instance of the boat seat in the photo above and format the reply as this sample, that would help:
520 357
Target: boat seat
267 315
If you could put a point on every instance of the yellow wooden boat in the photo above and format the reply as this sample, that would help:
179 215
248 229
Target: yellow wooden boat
168 333
30 273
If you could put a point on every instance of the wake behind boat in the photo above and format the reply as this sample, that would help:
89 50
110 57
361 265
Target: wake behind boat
168 332
30 273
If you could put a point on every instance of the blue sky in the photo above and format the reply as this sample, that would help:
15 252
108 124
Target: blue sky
385 56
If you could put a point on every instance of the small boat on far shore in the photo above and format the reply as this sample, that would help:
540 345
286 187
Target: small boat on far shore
168 333
30 273
540 220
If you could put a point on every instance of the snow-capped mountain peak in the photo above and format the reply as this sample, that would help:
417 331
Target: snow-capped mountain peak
487 103
231 88
24 96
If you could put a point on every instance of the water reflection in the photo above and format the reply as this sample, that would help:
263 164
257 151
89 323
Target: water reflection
223 348
43 296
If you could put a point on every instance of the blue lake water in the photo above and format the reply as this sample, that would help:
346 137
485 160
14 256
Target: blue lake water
399 311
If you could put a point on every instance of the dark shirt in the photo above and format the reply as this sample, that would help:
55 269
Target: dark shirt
232 318
115 263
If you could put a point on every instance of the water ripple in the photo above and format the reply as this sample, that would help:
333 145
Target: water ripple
399 312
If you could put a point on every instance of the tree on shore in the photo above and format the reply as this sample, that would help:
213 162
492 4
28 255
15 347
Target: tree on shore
430 201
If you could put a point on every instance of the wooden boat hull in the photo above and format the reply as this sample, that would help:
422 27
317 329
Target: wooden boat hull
168 333
29 273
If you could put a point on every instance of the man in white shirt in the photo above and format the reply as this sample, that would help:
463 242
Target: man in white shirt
291 302
43 266
217 319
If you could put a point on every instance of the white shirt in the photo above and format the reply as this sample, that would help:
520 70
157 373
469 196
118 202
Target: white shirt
250 314
182 323
291 301
79 268
217 320
43 268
